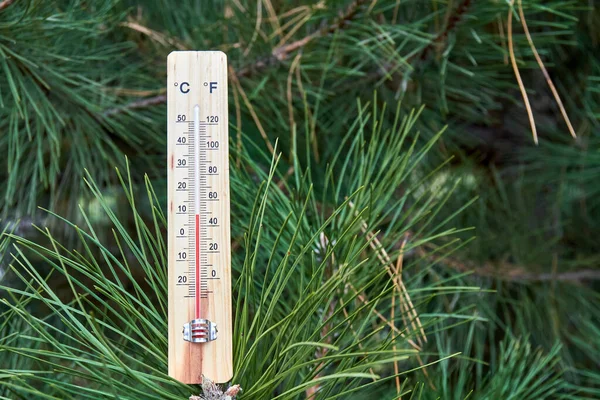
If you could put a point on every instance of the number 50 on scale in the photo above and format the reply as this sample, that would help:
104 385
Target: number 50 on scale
200 326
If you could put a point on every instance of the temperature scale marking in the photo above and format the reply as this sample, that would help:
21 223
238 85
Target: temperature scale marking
200 325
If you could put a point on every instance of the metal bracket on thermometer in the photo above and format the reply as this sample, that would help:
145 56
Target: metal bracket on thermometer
199 331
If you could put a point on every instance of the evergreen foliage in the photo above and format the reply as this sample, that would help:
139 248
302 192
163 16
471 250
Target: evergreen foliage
369 138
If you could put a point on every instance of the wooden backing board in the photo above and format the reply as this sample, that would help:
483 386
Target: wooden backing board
198 79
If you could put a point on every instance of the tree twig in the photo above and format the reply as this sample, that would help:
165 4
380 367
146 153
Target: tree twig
156 36
390 68
512 272
453 21
143 103
278 54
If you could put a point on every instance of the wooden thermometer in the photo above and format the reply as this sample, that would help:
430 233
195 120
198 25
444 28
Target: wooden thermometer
200 337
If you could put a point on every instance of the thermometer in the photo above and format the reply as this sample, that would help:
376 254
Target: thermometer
200 326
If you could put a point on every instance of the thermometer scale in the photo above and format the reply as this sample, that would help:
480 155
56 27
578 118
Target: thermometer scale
200 328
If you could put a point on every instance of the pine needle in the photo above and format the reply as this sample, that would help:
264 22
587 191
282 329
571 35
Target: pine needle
513 61
309 115
290 101
395 13
263 133
545 72
385 259
238 124
256 27
398 274
155 36
365 301
273 18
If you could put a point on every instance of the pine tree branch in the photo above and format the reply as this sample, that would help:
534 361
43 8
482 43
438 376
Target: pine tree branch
511 272
155 36
390 68
579 275
504 271
282 52
453 21
143 103
278 55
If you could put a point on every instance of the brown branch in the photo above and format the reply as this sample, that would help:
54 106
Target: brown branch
143 103
511 272
391 68
569 276
4 4
282 52
278 55
155 36
504 271
453 21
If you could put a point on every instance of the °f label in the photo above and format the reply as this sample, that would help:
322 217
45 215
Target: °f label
200 326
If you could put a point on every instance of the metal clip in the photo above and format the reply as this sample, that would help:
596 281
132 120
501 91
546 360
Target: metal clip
199 331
